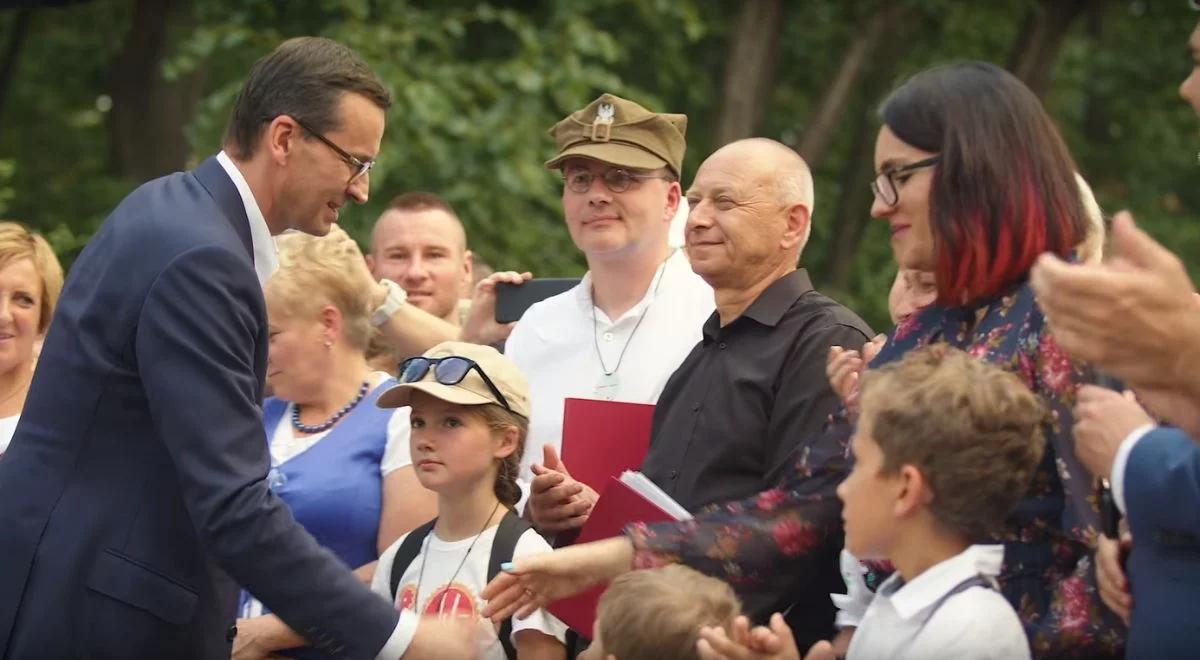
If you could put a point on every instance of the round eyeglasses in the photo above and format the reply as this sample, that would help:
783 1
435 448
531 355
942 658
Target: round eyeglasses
615 179
884 185
360 166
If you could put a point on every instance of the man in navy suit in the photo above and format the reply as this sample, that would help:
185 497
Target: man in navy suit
133 499
1139 320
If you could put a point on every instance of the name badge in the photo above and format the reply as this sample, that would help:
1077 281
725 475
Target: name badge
607 387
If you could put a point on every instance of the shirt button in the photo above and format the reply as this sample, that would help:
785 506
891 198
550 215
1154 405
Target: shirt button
674 474
722 345
608 336
695 407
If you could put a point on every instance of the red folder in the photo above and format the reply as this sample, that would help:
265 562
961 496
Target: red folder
618 506
602 439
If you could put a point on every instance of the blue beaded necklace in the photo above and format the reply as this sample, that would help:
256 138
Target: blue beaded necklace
328 424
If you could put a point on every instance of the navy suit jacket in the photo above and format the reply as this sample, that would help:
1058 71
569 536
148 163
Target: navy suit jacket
1162 504
133 498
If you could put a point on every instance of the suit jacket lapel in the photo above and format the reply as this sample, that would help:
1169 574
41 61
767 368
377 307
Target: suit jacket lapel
218 184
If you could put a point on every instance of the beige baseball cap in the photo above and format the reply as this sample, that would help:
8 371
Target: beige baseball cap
620 132
473 390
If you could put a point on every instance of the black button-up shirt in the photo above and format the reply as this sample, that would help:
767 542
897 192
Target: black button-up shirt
750 396
738 413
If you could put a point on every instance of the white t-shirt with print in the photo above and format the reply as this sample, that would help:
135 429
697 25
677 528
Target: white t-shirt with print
460 599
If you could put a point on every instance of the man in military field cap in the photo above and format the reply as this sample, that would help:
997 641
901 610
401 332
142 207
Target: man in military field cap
622 332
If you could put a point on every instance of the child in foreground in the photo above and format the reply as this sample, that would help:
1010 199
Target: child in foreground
470 413
944 449
657 614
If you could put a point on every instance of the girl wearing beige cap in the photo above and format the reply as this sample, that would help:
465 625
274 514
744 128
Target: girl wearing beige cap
470 414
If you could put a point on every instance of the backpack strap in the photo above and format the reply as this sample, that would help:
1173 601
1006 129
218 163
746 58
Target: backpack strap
509 532
406 553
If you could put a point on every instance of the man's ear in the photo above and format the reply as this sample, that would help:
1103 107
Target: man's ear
674 199
468 273
279 138
795 231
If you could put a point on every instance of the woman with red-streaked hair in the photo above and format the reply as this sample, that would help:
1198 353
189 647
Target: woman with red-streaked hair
975 182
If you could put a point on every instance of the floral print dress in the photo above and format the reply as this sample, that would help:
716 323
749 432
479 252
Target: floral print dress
1049 539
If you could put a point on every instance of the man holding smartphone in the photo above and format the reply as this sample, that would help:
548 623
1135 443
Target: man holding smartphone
622 332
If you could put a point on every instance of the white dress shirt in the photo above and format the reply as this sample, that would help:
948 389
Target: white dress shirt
1117 479
266 262
918 621
559 348
266 255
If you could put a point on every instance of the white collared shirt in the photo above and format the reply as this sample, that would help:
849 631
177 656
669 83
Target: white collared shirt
555 346
266 262
266 256
1121 459
905 621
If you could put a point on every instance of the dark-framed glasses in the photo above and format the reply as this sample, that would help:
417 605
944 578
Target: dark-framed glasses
884 185
616 179
360 166
449 370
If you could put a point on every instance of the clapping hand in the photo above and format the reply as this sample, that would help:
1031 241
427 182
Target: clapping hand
761 643
844 369
1103 419
1133 316
558 503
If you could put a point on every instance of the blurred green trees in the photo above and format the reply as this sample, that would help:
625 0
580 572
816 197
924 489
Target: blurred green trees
96 97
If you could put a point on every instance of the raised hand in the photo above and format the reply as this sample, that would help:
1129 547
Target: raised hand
844 369
761 643
481 326
1134 316
558 503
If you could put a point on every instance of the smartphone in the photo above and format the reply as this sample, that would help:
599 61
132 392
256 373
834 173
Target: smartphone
1110 515
513 299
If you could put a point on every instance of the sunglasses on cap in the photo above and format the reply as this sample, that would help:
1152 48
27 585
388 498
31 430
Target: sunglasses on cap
449 370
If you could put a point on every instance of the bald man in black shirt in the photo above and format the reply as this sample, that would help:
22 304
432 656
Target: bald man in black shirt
752 396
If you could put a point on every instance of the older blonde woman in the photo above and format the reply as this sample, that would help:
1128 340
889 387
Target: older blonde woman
340 462
30 280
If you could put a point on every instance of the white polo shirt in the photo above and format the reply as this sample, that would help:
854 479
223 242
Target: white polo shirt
559 348
906 622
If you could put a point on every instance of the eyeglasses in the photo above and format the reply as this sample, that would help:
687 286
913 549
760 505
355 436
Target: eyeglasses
616 179
360 167
884 185
450 370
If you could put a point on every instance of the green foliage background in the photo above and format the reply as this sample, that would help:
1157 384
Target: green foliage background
477 85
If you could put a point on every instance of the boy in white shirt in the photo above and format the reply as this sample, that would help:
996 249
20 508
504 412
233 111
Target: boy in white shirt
945 448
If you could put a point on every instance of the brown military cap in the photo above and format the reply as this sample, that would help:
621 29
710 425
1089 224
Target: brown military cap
622 133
